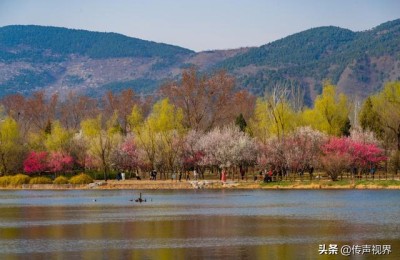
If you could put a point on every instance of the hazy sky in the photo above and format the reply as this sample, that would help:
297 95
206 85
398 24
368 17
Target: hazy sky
204 24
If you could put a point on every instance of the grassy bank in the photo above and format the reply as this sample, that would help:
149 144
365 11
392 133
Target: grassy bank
328 184
186 185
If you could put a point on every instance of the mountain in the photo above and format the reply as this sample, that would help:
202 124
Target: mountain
358 62
58 59
35 57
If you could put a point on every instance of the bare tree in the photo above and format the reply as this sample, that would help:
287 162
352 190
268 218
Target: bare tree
206 101
75 109
40 110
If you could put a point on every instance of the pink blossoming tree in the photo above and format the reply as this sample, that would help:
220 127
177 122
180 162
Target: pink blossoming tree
36 162
339 154
59 162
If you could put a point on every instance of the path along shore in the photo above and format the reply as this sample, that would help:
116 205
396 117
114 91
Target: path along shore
215 184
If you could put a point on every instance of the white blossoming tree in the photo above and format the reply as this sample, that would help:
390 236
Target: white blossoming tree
228 148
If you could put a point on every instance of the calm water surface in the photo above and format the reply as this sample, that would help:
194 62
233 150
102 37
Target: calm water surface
102 224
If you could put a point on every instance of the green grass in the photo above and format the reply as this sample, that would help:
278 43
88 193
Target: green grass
277 183
329 183
338 183
383 183
307 182
386 183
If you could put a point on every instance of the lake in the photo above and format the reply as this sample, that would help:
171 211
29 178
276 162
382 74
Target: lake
198 224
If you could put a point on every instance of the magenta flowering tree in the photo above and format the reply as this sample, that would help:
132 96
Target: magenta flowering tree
366 156
336 156
36 162
59 162
342 153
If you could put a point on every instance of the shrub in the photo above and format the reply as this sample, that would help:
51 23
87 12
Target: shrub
81 179
19 179
5 181
61 180
40 180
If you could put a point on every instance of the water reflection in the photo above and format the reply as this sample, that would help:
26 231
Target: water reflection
205 224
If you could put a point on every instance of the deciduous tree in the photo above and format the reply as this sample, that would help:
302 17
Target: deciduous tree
195 93
302 149
126 156
387 106
59 139
36 162
342 153
120 104
59 162
273 116
76 108
330 112
40 110
11 149
161 135
102 138
227 147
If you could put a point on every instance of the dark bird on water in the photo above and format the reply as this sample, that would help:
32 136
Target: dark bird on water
140 199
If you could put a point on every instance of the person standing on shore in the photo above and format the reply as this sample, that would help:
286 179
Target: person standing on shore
372 171
195 174
223 175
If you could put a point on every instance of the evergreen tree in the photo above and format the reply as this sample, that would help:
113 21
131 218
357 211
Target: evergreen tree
369 118
241 122
345 130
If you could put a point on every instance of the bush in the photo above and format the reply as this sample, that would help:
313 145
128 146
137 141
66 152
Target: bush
40 180
81 179
19 179
5 181
61 180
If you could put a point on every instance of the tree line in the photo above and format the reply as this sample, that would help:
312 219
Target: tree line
201 122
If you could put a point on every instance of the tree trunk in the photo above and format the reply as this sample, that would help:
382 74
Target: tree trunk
398 138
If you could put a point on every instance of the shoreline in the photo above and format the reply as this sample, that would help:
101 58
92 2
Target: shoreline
214 185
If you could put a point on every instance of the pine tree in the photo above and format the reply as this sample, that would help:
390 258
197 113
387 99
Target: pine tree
369 118
241 122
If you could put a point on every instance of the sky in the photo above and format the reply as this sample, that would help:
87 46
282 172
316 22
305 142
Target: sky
204 24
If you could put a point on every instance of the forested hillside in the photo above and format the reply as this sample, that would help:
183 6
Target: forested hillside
60 60
41 44
359 62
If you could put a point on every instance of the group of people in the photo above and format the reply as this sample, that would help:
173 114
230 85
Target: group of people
357 173
153 175
187 175
119 176
280 172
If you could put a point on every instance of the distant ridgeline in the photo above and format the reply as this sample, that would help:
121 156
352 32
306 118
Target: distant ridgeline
58 59
46 44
